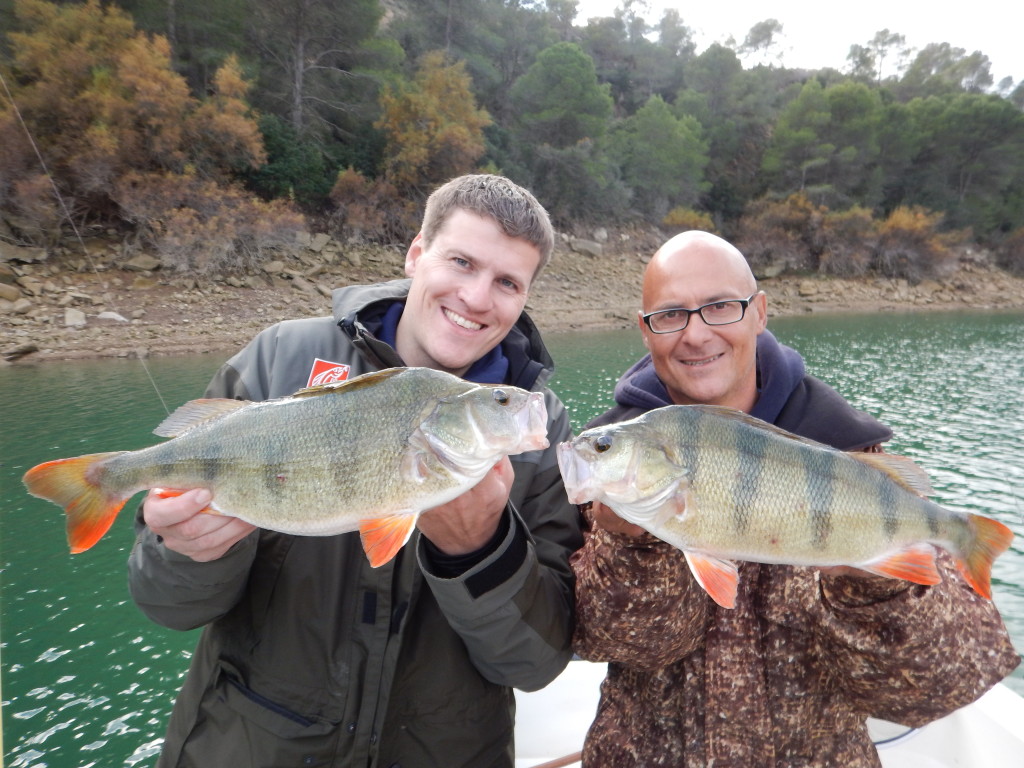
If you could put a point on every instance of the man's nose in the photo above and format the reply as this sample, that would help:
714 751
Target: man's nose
696 329
476 293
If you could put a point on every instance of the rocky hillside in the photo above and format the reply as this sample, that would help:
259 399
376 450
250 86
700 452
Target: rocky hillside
66 305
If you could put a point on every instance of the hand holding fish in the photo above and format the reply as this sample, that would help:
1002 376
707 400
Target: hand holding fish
466 523
606 519
178 519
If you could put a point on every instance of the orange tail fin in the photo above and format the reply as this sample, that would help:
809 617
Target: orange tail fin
991 539
68 483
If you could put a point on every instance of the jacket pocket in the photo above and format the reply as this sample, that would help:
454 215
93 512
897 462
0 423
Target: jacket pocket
238 726
267 714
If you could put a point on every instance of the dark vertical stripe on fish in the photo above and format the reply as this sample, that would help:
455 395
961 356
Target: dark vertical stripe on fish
932 513
689 439
210 469
275 472
887 501
820 468
751 447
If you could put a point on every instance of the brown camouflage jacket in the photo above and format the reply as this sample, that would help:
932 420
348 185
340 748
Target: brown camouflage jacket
788 677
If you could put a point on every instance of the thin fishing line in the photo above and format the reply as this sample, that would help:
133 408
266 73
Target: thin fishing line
46 170
140 354
67 215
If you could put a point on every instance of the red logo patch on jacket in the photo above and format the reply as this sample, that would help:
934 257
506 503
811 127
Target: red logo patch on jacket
326 372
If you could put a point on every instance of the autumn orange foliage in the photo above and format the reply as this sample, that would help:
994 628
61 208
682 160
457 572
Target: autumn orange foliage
111 117
433 127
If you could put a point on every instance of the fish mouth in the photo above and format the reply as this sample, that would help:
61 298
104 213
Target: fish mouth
576 474
462 322
532 421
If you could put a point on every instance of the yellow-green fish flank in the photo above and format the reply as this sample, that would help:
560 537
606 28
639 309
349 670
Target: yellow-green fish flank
367 454
723 486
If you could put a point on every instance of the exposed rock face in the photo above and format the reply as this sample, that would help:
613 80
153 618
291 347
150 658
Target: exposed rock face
64 305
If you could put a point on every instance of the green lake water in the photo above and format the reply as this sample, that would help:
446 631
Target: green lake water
88 681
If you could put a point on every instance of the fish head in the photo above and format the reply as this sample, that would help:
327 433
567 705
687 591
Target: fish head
626 466
470 431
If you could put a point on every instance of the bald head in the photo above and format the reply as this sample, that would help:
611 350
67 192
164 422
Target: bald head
703 362
697 253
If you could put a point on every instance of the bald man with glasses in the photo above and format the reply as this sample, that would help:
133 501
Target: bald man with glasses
789 676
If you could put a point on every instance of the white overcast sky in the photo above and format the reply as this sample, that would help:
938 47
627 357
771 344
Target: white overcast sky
819 34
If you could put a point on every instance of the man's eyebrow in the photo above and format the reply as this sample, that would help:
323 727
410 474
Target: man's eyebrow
711 300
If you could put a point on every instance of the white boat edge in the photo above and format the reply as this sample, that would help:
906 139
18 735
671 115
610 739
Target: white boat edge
552 723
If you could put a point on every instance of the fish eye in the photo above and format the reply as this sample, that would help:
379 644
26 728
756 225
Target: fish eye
501 397
602 444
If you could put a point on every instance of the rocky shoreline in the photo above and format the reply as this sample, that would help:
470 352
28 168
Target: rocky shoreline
65 305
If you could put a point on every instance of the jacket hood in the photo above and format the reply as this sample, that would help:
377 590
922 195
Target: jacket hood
358 310
787 397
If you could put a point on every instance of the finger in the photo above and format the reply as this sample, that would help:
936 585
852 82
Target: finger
165 507
199 525
206 537
606 518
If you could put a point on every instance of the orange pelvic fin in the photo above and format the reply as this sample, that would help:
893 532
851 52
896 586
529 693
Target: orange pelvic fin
915 563
71 484
173 493
718 577
384 536
992 538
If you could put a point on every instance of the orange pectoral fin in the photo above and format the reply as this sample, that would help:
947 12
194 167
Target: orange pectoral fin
718 577
915 563
384 536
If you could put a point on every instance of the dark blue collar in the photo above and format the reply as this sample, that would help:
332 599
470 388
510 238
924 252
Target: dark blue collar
492 368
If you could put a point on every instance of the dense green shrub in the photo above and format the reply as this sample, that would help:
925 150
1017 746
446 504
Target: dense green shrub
294 168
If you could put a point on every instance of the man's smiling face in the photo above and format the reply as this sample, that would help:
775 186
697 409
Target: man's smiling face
469 286
703 363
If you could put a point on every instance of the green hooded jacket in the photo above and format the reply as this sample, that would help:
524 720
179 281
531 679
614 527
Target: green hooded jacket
310 657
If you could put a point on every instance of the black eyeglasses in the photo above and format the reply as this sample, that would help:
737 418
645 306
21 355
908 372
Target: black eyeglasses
714 313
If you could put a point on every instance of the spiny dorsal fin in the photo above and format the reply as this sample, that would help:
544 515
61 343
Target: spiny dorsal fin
366 380
196 412
752 421
901 469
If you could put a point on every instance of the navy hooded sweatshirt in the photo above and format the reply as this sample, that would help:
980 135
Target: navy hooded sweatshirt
788 397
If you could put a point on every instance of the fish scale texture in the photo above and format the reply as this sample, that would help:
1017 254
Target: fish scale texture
321 464
752 494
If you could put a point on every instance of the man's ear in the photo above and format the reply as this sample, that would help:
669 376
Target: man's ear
413 254
760 303
643 328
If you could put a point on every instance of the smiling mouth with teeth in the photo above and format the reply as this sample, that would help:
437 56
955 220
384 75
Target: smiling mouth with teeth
462 322
700 362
